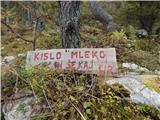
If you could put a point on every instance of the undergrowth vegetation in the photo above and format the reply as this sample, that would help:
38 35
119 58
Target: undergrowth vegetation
73 95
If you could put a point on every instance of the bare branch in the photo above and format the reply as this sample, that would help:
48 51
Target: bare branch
13 31
47 100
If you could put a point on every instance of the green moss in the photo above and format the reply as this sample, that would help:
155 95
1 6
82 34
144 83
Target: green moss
21 108
152 82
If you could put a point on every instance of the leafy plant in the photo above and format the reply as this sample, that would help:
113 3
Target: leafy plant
119 41
119 35
21 108
76 95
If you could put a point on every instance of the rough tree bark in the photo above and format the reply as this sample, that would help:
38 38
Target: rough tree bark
102 15
70 23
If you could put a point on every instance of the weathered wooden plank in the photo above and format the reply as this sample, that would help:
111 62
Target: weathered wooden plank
96 60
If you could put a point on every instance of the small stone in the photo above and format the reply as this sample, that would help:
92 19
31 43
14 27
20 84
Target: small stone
21 55
2 48
129 45
142 32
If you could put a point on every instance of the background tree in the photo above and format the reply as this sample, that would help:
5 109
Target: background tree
142 14
70 23
28 18
102 15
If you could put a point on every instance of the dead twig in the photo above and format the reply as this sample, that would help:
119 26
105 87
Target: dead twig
47 100
37 100
76 109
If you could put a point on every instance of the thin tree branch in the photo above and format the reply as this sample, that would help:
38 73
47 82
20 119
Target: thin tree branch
47 100
76 108
13 31
34 33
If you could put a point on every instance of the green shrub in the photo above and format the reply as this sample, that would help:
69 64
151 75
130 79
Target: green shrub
119 41
76 95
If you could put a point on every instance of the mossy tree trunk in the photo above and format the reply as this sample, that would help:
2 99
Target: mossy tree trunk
70 23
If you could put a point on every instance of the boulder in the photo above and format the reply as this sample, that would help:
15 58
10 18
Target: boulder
19 108
139 92
23 106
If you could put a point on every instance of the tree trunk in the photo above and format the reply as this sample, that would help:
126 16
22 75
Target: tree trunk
146 21
34 34
102 15
29 18
70 23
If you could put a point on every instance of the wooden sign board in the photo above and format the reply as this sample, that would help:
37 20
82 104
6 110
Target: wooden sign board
94 60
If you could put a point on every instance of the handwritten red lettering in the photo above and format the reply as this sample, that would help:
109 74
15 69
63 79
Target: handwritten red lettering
36 56
51 56
45 56
109 69
49 65
58 55
71 64
102 54
80 64
86 54
58 65
80 55
86 65
94 54
101 69
74 54
92 60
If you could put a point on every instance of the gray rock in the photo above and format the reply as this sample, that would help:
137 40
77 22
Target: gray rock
18 109
157 72
130 65
139 92
142 32
11 111
8 59
134 67
23 107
